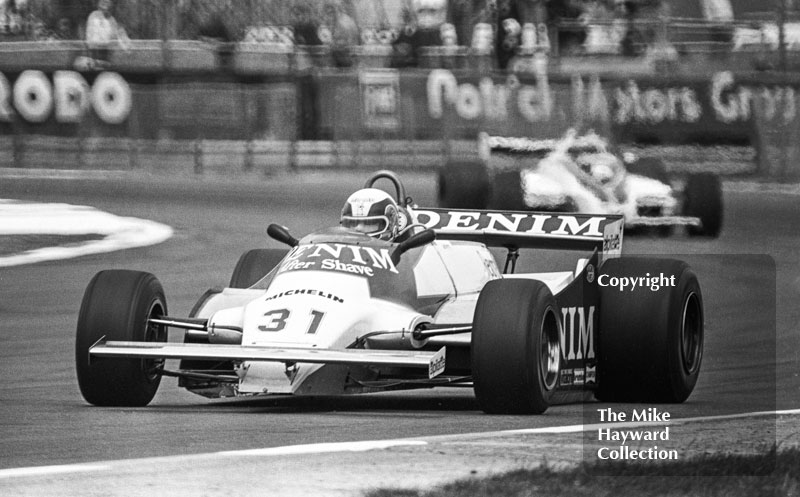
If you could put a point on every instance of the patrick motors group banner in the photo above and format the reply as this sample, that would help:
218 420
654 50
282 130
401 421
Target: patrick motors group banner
719 107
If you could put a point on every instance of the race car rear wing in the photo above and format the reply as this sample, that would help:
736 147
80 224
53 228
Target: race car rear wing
589 142
517 229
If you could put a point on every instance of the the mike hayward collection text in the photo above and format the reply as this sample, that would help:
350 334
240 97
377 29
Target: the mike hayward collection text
619 435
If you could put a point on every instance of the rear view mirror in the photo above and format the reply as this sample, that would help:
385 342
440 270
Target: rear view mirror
281 234
416 240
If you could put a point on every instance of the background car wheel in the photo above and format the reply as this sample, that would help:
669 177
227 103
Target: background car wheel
117 305
515 347
650 343
507 191
463 185
253 265
703 199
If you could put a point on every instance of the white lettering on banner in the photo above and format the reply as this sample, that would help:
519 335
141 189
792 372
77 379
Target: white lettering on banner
381 258
631 104
464 220
112 98
581 344
72 96
333 251
508 222
359 258
737 102
488 99
571 222
35 98
347 268
6 111
504 221
656 105
589 104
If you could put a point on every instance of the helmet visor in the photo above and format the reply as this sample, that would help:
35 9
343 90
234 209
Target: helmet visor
374 225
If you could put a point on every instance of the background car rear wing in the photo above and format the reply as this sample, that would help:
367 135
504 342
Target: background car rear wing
590 142
517 229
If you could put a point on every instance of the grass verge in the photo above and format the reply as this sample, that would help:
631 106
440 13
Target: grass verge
779 475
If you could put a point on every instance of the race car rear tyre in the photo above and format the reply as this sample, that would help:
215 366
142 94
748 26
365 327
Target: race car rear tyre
463 185
117 305
516 352
253 265
650 343
507 191
703 199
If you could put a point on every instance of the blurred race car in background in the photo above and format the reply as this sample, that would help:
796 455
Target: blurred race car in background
582 174
341 312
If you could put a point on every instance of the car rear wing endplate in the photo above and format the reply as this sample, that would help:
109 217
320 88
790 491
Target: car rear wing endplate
433 361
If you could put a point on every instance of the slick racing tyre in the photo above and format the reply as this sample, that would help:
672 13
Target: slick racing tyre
507 191
703 199
515 347
463 185
253 265
650 343
117 305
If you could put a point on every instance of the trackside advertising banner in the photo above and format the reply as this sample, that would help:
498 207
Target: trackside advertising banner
386 103
110 103
64 97
430 103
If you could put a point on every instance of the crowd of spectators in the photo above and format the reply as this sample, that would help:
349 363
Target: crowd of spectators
103 33
404 30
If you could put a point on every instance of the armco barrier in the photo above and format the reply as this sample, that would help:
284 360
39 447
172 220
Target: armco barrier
722 160
226 157
264 158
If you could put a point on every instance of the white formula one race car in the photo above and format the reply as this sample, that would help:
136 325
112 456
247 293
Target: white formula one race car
340 312
582 174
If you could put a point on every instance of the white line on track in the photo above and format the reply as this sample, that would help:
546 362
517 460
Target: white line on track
324 448
22 218
637 424
364 446
52 470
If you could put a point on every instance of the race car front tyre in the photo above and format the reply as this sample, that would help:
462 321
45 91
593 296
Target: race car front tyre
117 305
703 199
253 265
463 185
516 351
650 343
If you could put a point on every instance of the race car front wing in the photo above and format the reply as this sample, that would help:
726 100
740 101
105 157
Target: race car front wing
433 361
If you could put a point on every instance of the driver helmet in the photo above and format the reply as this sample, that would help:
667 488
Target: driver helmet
602 166
372 212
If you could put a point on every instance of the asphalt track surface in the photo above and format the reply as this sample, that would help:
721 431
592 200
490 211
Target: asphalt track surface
752 354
